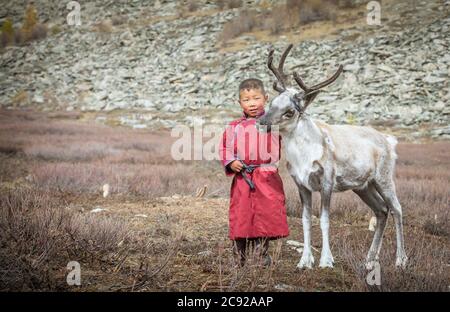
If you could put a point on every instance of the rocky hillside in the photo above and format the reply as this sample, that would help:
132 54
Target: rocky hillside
156 64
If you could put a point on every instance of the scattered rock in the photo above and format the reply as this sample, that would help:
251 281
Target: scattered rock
105 190
104 65
98 209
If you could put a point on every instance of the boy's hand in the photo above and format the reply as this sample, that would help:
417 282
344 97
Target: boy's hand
236 166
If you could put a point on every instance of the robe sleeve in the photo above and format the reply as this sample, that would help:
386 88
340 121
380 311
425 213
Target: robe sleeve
226 149
275 148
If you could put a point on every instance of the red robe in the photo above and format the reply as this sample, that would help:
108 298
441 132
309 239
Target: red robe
260 212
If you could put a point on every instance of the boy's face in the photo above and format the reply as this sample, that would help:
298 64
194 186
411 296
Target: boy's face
252 101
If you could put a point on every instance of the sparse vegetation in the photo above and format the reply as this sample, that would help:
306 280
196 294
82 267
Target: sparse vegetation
31 29
105 26
246 21
231 4
192 6
152 233
185 8
282 17
7 32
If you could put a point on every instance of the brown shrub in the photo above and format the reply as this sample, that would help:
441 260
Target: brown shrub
30 20
40 237
234 4
231 4
347 4
314 10
426 270
280 17
438 227
246 21
31 29
90 151
105 26
119 20
138 166
192 6
7 36
39 31
80 158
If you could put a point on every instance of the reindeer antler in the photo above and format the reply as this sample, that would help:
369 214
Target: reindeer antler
319 85
278 72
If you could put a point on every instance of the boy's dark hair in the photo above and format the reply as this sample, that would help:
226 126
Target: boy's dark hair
252 83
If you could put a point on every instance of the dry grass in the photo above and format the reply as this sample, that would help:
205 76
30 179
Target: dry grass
152 233
39 237
70 158
283 17
31 29
246 21
230 4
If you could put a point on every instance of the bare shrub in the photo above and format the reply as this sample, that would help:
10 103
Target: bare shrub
278 20
246 21
7 36
46 196
438 227
347 4
81 157
31 28
105 26
119 20
29 21
125 179
234 4
280 17
297 12
231 4
39 31
185 8
39 236
192 6
8 146
88 152
426 269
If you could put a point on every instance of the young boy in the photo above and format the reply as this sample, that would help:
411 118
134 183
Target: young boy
257 202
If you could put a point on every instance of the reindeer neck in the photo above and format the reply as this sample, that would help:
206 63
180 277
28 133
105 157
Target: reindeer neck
306 131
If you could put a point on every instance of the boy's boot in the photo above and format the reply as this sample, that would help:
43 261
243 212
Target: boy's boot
239 248
262 246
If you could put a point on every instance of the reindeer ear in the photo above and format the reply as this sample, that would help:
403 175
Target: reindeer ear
309 98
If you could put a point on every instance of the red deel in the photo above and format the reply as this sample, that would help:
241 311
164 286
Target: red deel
260 212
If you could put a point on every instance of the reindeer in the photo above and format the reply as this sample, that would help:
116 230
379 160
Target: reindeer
333 158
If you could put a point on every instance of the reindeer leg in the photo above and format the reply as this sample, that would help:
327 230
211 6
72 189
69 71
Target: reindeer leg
372 199
387 191
326 258
307 258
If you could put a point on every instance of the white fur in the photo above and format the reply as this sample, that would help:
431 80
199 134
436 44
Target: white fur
333 158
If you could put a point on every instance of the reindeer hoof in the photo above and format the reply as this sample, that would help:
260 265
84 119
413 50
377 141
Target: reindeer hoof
370 265
306 262
401 262
326 262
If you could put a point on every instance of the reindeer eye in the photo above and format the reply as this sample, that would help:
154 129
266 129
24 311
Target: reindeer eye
288 114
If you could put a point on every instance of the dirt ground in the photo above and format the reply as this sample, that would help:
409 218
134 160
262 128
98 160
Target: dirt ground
152 233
